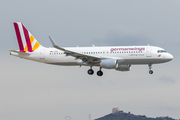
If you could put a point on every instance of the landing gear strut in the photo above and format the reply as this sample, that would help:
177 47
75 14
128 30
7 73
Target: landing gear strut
150 67
100 73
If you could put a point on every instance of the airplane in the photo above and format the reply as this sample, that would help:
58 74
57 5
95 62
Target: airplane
119 58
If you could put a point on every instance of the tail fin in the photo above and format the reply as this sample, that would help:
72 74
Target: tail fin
25 39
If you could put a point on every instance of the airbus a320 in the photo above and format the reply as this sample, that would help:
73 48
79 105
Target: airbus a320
120 58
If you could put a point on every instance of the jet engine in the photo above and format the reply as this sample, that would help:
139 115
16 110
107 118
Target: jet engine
108 63
123 67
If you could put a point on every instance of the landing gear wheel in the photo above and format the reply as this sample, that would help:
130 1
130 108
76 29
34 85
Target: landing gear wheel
90 72
99 73
150 67
150 72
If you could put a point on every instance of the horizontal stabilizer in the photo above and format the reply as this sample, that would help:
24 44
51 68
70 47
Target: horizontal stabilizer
19 52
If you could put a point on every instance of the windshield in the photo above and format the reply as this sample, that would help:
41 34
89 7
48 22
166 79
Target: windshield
161 51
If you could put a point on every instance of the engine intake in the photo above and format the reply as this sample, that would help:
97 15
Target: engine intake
108 63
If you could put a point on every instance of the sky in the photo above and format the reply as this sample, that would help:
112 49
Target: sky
31 90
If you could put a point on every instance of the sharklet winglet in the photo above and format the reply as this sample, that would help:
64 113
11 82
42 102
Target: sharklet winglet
55 45
52 41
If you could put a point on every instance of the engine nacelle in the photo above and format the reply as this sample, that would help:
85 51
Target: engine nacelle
123 67
108 63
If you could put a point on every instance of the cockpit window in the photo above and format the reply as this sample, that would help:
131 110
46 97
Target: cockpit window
161 51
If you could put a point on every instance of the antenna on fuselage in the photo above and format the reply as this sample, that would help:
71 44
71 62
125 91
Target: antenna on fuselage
93 45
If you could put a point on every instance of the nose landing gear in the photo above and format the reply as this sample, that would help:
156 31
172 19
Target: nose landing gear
150 72
150 67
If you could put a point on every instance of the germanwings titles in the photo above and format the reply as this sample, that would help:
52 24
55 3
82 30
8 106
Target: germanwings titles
119 58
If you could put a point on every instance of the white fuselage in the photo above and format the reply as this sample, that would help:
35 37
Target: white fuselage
119 58
129 54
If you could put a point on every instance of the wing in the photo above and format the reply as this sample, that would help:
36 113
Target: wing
85 58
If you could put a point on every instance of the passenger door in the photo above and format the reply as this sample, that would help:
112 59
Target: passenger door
42 54
148 51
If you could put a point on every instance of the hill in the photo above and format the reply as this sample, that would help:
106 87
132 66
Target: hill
128 116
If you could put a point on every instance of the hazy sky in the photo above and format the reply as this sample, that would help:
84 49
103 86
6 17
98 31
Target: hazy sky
31 90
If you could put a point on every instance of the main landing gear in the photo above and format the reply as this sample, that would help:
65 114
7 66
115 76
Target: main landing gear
150 67
100 73
91 72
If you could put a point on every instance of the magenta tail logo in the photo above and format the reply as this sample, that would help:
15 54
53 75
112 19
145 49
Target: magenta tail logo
25 39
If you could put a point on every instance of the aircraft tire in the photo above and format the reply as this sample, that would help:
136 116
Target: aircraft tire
150 72
90 72
99 73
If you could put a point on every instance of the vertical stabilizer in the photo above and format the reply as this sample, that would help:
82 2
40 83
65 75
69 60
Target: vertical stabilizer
25 39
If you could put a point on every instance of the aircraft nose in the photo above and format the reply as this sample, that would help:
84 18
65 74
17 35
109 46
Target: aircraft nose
170 56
